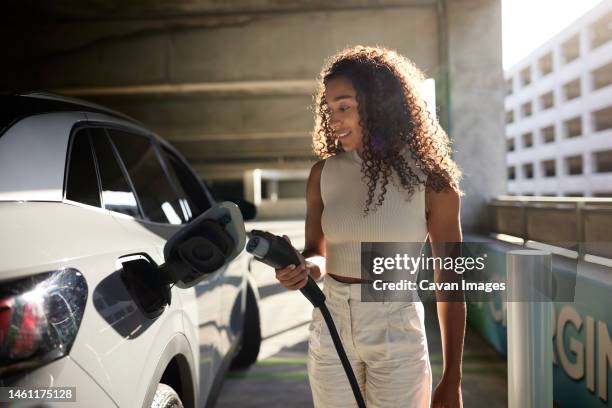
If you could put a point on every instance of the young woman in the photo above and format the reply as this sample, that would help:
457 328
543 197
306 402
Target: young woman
386 175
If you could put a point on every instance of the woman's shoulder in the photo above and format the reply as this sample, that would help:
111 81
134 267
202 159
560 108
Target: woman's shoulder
317 168
338 156
329 167
333 160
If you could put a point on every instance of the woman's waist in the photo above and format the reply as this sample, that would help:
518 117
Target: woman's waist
351 261
336 289
349 279
343 261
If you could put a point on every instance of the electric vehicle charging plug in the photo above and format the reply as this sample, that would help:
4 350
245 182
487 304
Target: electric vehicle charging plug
276 252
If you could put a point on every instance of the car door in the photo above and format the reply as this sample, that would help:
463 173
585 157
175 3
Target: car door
229 282
165 207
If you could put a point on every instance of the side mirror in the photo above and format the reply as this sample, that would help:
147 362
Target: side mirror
207 243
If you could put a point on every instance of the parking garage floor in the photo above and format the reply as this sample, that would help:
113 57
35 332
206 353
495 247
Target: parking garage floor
279 377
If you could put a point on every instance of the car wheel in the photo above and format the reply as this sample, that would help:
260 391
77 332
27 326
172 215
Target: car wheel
166 397
251 334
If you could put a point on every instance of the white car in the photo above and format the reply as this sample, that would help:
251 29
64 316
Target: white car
88 200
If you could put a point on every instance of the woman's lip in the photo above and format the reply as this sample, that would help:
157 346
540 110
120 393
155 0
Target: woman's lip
343 135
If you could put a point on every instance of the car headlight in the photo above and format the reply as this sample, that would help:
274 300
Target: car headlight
39 318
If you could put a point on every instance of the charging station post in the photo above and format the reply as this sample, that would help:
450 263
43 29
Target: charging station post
530 352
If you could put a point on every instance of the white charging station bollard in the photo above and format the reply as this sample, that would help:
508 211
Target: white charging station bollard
530 330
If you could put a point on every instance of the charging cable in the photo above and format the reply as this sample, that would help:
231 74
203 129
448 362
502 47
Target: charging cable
278 253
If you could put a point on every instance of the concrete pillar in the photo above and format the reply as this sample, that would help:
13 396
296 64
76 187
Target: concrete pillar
588 168
476 94
252 186
272 190
559 169
585 43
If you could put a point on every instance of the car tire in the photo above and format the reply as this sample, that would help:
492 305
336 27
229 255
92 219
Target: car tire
166 397
251 334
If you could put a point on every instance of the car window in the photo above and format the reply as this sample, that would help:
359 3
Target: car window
82 183
193 199
157 197
117 195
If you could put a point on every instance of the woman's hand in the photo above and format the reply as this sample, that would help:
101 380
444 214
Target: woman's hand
447 394
293 277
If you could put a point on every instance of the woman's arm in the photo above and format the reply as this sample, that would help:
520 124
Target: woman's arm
314 247
295 277
443 222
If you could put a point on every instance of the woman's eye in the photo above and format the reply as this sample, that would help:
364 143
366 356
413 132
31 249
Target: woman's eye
344 108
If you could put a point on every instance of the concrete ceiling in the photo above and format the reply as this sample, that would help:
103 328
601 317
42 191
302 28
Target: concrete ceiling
145 9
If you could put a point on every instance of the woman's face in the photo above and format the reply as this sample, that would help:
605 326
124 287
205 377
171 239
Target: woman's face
341 99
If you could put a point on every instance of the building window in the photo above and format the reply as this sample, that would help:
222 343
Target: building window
603 161
510 144
548 168
570 50
576 194
601 31
526 109
602 76
547 100
527 139
602 119
511 173
571 90
573 127
528 170
525 76
545 64
508 86
573 165
509 116
548 134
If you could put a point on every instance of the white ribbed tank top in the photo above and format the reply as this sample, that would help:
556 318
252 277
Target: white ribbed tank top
344 224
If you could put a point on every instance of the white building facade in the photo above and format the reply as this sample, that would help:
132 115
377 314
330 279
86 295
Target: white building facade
559 113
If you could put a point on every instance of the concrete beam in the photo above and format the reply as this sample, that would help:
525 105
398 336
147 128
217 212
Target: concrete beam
287 136
209 89
245 149
117 9
235 170
188 117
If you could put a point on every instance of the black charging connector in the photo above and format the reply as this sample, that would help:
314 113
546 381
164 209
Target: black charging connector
276 252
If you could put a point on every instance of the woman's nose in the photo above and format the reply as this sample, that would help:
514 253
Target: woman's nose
334 123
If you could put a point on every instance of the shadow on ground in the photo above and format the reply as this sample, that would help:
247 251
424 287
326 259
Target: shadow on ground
281 380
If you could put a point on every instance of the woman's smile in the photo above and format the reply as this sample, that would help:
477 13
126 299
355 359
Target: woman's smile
341 99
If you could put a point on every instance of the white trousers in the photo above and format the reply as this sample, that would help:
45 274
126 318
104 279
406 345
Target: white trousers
385 343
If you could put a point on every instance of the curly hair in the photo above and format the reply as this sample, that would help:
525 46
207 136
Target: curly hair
393 116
